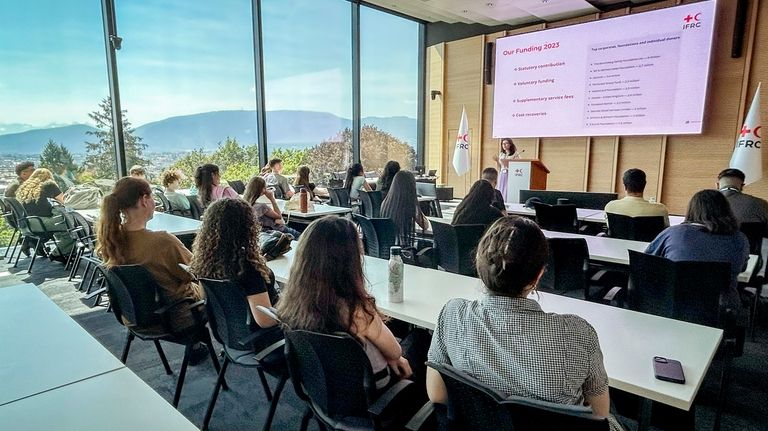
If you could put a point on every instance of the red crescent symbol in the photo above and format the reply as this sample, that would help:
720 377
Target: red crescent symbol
755 130
696 17
465 137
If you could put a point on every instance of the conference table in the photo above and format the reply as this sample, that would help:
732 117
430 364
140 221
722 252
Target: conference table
57 376
173 224
629 340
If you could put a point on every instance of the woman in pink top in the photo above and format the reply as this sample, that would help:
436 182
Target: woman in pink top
207 180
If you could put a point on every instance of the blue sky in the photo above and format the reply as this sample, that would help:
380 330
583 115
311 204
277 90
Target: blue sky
183 57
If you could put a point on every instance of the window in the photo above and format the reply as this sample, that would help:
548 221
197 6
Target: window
308 84
388 89
187 86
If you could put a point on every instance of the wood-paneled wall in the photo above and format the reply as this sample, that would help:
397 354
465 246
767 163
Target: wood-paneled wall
677 165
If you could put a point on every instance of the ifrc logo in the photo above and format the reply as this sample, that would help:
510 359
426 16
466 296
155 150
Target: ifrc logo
692 21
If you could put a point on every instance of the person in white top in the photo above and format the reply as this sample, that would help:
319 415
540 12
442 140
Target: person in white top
508 152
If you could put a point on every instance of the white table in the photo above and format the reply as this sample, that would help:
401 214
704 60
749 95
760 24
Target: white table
173 224
320 210
629 340
42 347
118 400
600 217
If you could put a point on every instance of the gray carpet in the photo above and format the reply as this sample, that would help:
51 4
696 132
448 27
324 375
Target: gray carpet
244 406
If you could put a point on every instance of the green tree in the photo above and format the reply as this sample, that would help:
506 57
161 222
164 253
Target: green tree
189 163
100 155
57 158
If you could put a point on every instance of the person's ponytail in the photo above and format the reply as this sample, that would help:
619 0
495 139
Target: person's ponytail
109 232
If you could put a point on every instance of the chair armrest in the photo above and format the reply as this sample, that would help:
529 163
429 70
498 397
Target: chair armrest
611 295
269 349
270 312
596 277
418 420
381 403
196 307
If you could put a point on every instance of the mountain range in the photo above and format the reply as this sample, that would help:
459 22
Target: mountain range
298 129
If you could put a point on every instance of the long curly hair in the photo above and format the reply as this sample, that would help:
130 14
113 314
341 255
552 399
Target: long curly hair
29 190
228 242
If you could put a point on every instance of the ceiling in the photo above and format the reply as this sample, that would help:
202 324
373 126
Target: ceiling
500 12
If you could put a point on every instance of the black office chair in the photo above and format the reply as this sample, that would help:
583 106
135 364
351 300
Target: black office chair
371 203
567 267
195 208
456 246
335 183
31 229
161 202
139 305
245 344
333 375
754 287
560 218
238 186
430 208
10 220
339 197
634 228
687 291
379 235
473 405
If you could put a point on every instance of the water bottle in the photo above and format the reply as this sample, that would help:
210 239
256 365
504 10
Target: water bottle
395 293
303 200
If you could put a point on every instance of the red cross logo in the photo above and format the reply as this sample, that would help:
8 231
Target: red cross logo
745 131
688 18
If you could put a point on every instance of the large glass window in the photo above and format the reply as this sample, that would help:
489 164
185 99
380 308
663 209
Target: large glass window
388 89
308 84
53 80
187 85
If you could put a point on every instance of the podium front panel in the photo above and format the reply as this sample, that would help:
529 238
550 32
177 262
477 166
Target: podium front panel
518 178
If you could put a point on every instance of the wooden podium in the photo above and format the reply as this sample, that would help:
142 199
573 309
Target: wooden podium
525 174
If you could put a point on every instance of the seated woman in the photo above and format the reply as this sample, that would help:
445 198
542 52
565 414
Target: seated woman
123 239
178 201
709 233
230 251
387 175
477 206
326 293
506 341
33 194
302 180
268 215
355 181
209 189
402 206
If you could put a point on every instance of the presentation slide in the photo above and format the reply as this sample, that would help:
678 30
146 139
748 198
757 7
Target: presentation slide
643 74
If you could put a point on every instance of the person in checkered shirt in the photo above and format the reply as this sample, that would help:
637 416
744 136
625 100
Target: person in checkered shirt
507 342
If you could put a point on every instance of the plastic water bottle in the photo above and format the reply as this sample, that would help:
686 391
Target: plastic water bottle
395 293
303 200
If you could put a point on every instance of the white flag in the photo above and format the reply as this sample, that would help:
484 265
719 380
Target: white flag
748 156
461 152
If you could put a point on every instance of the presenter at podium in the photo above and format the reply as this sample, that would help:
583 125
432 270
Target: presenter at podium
507 153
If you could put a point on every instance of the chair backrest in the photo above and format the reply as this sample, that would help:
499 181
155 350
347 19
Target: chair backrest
8 214
19 214
688 291
426 189
229 314
339 197
590 200
456 246
134 295
195 208
165 205
335 183
635 228
378 234
332 372
86 234
371 203
754 232
567 266
276 191
238 186
473 405
561 218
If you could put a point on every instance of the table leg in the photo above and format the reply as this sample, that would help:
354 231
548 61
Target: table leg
644 420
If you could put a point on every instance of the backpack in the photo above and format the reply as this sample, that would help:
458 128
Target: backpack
82 197
274 244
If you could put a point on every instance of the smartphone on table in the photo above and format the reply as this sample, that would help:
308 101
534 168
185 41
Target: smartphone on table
668 370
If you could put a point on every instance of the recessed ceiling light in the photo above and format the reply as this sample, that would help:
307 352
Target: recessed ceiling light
489 4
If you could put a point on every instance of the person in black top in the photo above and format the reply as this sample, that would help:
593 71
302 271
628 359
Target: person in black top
492 176
476 207
227 248
34 195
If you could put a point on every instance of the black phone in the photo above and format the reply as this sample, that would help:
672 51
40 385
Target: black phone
668 370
